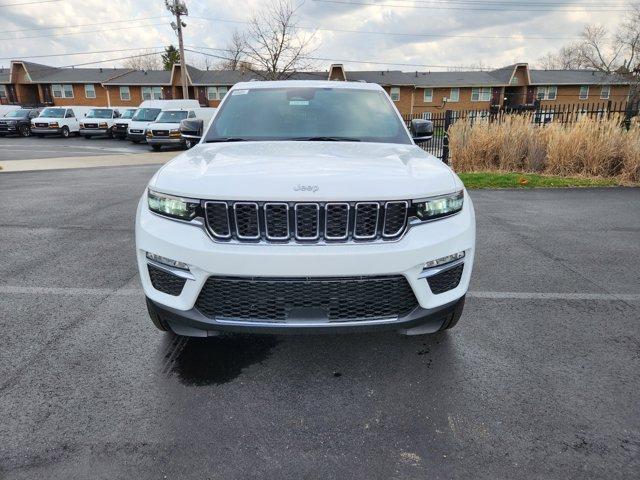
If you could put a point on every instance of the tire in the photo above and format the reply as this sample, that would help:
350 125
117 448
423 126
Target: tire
452 321
87 137
40 136
25 131
135 141
159 323
65 132
156 148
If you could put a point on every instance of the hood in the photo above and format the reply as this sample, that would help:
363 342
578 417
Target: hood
138 124
305 171
46 120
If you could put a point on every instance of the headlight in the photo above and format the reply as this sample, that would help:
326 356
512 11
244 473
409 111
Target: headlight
170 206
148 133
82 125
103 125
53 125
174 133
432 208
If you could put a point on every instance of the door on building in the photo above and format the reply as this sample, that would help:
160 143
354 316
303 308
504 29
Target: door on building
530 95
496 95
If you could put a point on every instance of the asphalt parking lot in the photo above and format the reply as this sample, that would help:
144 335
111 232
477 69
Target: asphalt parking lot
18 148
541 378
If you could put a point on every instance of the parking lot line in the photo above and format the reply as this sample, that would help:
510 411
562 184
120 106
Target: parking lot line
128 292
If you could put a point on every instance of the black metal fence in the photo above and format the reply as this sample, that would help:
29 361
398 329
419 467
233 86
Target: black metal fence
540 115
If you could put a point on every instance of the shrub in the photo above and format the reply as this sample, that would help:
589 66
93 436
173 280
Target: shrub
588 147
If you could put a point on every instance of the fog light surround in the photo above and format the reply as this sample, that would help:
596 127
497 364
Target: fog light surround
167 261
444 260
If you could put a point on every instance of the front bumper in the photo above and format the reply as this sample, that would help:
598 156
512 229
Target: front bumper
190 244
165 141
8 129
139 137
46 131
94 131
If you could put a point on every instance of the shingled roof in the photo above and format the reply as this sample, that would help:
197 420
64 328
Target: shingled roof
576 77
39 73
141 77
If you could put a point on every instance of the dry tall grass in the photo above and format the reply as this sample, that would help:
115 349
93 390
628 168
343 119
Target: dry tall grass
588 147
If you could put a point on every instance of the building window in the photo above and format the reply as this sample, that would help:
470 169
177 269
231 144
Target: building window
481 94
605 92
152 93
395 94
3 91
549 92
454 95
584 92
514 80
216 93
428 95
90 90
125 93
62 91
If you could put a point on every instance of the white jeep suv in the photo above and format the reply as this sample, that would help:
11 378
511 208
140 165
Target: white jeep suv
306 207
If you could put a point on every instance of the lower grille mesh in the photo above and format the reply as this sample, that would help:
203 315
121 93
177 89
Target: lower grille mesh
165 282
447 280
332 299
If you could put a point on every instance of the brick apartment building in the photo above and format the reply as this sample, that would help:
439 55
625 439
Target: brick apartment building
415 93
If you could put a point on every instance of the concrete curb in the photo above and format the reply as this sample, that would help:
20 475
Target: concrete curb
86 162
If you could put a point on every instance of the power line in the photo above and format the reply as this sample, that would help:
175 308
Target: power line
403 34
66 34
81 53
128 20
465 8
343 60
28 3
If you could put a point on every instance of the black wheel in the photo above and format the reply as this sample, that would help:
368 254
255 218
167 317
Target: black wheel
156 148
65 132
87 137
452 321
40 136
25 131
135 141
155 318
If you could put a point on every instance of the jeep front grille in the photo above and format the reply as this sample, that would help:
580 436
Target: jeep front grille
338 299
305 222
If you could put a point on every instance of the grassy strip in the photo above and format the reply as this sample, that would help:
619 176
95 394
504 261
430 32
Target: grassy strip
530 180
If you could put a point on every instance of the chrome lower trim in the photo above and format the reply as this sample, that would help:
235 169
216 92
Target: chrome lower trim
178 272
430 272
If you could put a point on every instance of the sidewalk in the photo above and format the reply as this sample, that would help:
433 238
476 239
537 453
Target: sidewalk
86 162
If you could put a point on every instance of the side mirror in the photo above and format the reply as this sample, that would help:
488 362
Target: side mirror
191 129
421 130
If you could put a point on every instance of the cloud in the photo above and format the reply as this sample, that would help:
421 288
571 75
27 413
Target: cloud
463 50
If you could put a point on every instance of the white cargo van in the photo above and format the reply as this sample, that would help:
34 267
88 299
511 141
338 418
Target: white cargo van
99 121
149 110
121 124
166 129
59 121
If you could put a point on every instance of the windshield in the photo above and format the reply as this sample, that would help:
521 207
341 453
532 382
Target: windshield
18 113
290 113
146 114
100 113
128 113
172 116
52 113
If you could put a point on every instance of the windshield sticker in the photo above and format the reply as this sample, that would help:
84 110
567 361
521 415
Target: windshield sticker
239 92
298 102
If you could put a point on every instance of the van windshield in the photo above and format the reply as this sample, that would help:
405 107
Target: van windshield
307 114
146 114
17 113
128 113
52 113
100 113
172 116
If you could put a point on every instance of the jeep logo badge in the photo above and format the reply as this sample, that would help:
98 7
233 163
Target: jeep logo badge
306 188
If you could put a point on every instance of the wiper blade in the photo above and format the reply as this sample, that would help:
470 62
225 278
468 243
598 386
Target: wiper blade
325 139
227 139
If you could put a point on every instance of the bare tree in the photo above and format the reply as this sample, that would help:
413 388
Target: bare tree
275 46
145 60
567 58
236 51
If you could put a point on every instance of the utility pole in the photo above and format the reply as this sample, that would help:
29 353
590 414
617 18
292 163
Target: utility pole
179 9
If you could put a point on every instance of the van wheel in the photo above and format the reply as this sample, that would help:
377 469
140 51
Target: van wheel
25 131
156 148
87 137
65 132
135 141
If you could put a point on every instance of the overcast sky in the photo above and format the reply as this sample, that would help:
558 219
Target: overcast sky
471 24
